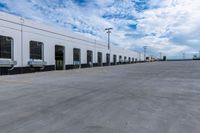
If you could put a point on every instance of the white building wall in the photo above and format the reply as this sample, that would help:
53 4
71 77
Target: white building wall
11 26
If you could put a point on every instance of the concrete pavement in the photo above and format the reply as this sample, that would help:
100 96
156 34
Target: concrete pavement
161 97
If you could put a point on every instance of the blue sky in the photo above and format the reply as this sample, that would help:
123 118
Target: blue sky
168 26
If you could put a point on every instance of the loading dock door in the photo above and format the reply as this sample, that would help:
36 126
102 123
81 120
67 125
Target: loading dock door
59 57
77 57
120 59
99 59
108 59
89 58
133 60
6 52
114 59
125 59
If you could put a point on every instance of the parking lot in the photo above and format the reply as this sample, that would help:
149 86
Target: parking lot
160 97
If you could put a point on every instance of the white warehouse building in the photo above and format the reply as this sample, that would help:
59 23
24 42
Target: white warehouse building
26 46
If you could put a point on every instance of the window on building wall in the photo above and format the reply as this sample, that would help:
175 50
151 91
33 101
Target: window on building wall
89 56
6 47
99 59
129 59
36 50
76 55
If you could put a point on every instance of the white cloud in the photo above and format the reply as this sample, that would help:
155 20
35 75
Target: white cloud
174 18
168 26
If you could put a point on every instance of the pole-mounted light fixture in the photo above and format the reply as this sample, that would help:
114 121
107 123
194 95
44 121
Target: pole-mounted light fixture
108 30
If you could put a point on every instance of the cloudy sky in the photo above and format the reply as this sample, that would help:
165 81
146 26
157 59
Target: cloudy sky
168 26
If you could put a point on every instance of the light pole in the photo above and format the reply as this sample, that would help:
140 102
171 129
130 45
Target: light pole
145 50
108 30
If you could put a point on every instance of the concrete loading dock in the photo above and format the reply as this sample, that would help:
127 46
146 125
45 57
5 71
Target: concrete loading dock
120 99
